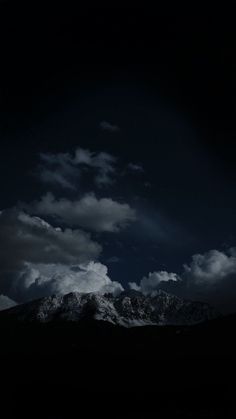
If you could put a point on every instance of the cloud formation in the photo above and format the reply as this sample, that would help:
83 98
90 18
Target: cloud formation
37 259
30 239
209 277
89 212
39 280
151 283
211 268
64 170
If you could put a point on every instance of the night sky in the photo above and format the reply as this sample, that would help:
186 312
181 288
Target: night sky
116 129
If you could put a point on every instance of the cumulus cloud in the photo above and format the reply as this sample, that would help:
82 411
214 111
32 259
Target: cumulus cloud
30 239
212 267
6 302
65 169
210 277
37 280
89 212
107 126
151 283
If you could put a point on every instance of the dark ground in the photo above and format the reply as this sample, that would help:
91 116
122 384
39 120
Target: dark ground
69 370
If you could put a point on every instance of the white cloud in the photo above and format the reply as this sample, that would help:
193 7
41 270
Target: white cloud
37 280
30 239
212 267
202 274
210 277
88 212
151 283
6 302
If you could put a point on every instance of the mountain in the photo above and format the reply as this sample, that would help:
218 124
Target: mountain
128 309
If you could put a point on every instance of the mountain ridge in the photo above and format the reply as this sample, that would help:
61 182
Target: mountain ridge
128 309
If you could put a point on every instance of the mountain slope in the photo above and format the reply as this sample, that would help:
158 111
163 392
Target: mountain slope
127 309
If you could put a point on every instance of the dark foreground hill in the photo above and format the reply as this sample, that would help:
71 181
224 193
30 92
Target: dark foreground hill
65 369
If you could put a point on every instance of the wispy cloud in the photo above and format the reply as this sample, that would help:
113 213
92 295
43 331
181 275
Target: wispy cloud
107 126
134 167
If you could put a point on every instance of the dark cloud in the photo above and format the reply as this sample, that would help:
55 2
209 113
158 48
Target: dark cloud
89 212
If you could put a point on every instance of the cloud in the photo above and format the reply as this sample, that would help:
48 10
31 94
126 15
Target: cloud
212 267
6 302
65 170
88 212
103 163
49 176
210 277
38 280
58 169
30 239
135 167
151 283
107 126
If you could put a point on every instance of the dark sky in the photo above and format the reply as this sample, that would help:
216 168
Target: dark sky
162 80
